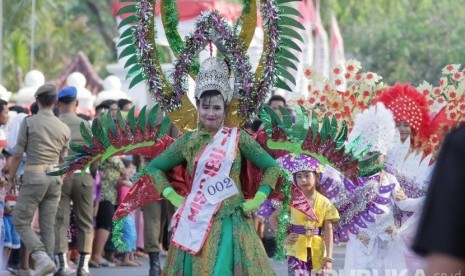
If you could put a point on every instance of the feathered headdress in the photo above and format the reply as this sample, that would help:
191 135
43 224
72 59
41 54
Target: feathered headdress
408 105
376 128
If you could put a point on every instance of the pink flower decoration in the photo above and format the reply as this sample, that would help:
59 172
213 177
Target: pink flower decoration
308 73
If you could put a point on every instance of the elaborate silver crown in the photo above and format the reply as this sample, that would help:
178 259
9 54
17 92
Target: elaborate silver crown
213 75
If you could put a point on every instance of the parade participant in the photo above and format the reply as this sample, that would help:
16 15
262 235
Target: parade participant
275 102
406 160
410 110
77 188
212 235
45 140
309 245
378 246
221 238
156 215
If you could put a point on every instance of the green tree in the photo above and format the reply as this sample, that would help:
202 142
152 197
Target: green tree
402 40
63 27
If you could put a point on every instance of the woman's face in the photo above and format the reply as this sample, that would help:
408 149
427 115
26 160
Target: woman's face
306 180
113 110
404 130
4 115
211 112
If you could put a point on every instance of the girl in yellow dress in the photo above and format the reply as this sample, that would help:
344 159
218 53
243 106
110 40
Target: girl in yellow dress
309 244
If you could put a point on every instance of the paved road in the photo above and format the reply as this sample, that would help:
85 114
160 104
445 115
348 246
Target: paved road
280 267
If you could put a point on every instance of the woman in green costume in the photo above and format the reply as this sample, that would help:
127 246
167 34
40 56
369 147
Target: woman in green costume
212 234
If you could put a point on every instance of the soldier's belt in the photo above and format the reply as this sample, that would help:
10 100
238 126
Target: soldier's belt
40 168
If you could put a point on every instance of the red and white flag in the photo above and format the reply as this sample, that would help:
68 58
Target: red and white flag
321 55
337 44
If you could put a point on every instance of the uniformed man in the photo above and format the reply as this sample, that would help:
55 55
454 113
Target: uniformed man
156 215
78 188
152 216
45 140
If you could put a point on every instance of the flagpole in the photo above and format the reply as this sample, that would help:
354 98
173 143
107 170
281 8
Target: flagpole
33 25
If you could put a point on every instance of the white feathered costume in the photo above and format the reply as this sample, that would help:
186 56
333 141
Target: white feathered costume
378 247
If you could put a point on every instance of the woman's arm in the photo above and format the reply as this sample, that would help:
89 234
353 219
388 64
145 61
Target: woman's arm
252 151
401 199
168 159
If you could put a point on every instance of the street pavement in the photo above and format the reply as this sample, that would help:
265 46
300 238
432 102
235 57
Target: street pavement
280 267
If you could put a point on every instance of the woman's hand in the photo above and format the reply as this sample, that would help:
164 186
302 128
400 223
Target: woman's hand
175 199
292 238
327 265
254 204
247 214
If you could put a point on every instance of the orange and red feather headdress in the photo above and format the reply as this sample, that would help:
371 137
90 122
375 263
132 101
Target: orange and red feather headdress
409 105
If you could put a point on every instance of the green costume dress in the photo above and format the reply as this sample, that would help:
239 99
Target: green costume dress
232 246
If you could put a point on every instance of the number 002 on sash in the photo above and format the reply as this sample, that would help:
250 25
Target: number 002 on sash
219 188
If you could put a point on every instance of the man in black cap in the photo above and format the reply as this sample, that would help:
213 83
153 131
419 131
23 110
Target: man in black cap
44 139
78 188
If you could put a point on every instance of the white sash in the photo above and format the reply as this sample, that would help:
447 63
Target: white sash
211 185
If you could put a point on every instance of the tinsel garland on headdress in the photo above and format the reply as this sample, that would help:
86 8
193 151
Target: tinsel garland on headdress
271 68
210 25
148 66
170 17
267 77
